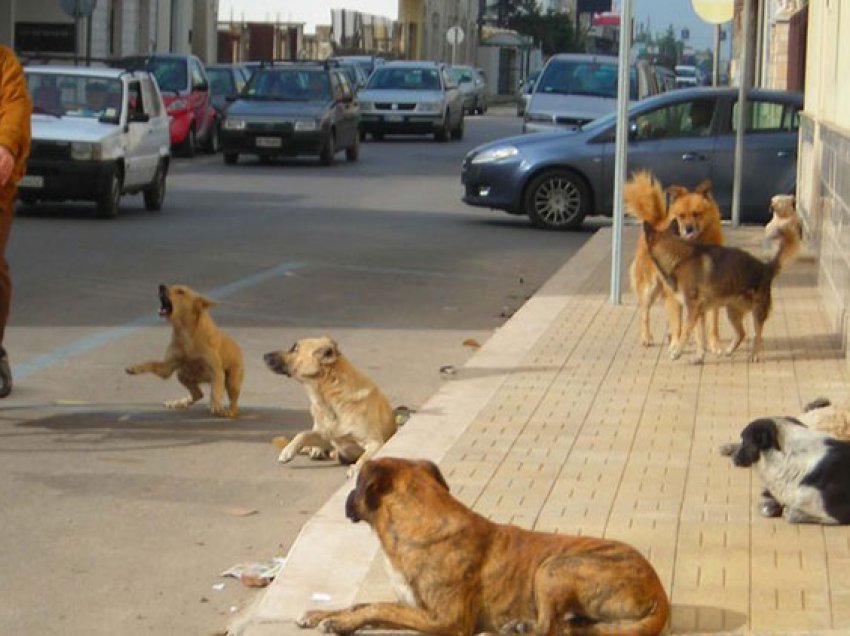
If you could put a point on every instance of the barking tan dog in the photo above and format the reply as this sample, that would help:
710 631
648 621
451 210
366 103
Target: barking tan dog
456 573
350 414
698 219
199 352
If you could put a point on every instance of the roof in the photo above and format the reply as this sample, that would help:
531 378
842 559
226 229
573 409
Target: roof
411 64
85 71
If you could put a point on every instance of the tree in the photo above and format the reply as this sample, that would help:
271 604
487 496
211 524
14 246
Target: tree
669 46
554 32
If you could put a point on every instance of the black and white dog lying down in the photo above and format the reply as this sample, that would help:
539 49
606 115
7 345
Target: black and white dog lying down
806 473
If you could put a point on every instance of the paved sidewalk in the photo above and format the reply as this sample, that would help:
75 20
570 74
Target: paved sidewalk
564 422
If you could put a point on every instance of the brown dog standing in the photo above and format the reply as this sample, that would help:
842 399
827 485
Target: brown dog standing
350 413
458 574
198 352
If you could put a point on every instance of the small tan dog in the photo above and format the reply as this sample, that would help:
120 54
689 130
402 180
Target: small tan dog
198 352
350 414
456 572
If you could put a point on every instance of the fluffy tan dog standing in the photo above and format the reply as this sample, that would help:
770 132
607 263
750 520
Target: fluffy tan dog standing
457 573
350 414
699 221
199 352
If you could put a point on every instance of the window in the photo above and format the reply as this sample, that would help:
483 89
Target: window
151 99
766 117
135 102
198 79
683 119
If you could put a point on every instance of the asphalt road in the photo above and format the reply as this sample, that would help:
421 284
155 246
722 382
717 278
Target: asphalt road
118 516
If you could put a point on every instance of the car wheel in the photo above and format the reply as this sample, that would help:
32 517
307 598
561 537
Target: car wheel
556 200
230 158
352 153
190 144
154 194
457 133
378 136
109 201
213 140
362 135
326 156
442 134
482 109
28 199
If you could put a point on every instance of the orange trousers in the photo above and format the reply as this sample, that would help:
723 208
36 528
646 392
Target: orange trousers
7 206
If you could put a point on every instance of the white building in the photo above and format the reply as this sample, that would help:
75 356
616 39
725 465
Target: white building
118 27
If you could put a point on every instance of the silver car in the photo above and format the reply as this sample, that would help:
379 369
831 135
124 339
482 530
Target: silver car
575 89
411 98
473 87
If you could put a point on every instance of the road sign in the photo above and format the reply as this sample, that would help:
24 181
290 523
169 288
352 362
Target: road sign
78 8
454 35
714 11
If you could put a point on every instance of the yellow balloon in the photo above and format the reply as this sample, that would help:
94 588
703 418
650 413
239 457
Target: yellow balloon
714 11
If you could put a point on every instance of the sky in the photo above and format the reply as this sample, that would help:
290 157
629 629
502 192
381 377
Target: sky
660 13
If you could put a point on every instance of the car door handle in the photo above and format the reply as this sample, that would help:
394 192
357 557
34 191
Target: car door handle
694 156
784 154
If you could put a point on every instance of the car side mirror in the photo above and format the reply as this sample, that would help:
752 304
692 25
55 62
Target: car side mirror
139 118
201 86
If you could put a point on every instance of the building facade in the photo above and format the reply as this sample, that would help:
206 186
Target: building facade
425 24
116 27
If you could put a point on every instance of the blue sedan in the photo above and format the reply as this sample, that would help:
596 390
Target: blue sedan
683 137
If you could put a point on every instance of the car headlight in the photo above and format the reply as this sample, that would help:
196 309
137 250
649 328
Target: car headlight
430 106
496 154
177 105
540 118
82 151
305 125
234 124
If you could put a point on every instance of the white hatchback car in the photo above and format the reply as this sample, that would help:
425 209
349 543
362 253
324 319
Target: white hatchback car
97 133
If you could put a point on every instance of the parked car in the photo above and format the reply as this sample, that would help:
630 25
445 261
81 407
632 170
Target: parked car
575 88
293 109
473 87
412 98
367 62
526 88
226 80
186 92
683 137
97 134
687 76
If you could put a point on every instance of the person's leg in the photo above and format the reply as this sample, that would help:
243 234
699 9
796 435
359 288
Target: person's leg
7 202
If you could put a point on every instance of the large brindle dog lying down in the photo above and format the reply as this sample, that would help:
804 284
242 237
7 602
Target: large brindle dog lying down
456 573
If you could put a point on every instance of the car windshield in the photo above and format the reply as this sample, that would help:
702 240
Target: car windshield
413 79
75 96
221 81
292 85
463 75
172 74
685 71
571 77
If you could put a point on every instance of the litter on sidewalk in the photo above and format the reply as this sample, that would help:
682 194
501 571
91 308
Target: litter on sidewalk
256 574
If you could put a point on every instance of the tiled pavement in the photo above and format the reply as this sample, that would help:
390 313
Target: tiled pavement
564 422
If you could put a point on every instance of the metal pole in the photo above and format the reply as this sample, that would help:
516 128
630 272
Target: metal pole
622 139
745 59
76 30
88 39
715 74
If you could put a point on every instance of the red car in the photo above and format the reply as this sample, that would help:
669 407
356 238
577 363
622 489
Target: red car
185 91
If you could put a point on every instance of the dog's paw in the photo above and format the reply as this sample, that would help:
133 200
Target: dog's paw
770 508
319 454
179 405
698 358
223 411
755 356
727 450
286 455
134 370
351 473
309 620
795 515
716 348
675 352
332 626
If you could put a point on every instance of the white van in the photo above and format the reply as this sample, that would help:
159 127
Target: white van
576 88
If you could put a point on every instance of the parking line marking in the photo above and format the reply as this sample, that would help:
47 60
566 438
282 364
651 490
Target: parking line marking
113 334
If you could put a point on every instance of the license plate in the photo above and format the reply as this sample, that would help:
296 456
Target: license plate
269 142
395 118
31 181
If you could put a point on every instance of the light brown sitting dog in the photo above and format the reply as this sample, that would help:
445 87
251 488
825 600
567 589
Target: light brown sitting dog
456 573
198 352
351 416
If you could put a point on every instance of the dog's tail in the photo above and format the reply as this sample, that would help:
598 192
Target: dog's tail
645 199
787 232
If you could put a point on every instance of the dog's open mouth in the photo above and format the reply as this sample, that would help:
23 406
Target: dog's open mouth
165 306
690 232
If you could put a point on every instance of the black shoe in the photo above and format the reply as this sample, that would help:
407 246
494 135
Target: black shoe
5 374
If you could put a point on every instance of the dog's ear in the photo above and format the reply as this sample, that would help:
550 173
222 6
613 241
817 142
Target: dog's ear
377 481
648 230
202 303
329 354
704 188
673 228
432 468
764 434
675 191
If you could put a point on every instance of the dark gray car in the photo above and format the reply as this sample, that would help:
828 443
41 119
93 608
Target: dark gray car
683 137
